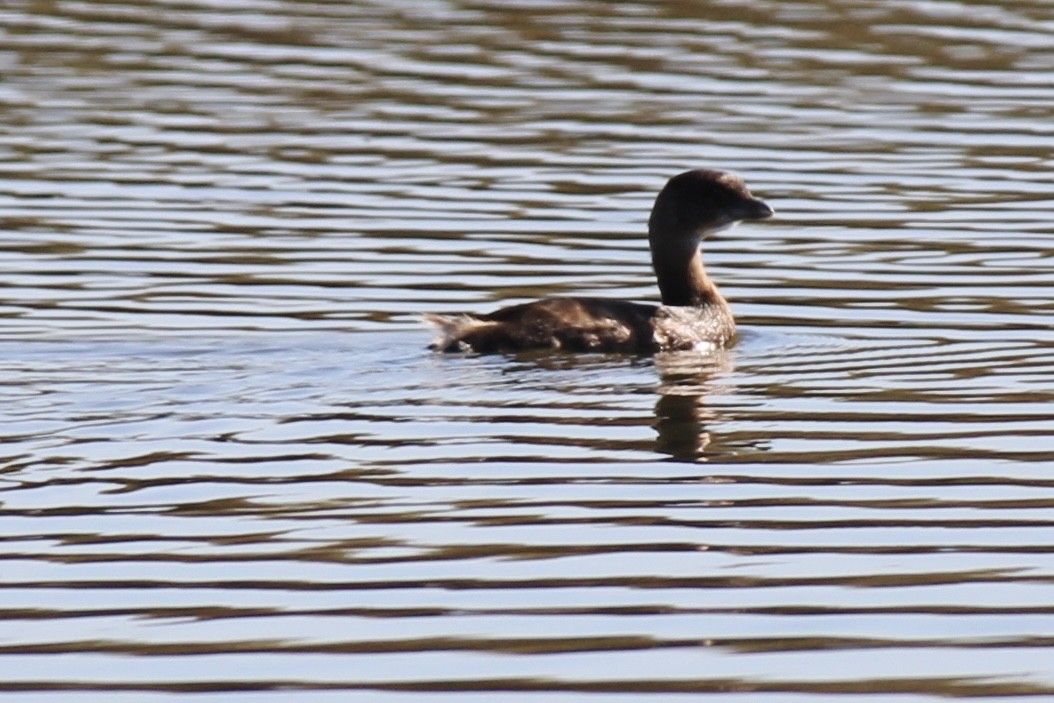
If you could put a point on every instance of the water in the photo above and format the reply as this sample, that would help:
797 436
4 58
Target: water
231 468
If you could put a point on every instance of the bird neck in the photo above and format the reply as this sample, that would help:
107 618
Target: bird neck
682 277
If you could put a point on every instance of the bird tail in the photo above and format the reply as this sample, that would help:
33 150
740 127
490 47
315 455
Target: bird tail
454 331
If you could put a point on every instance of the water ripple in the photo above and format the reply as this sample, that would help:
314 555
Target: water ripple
227 453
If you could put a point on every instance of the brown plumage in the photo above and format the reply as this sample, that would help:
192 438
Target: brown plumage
693 314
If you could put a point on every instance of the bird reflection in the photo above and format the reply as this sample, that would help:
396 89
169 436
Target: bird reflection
681 412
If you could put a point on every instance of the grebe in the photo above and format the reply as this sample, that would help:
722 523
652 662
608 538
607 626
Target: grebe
693 315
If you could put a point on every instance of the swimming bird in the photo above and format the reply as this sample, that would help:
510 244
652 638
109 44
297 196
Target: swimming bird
694 315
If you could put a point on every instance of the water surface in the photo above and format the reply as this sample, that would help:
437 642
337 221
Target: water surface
231 468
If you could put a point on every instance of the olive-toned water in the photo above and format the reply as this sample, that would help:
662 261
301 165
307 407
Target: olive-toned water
229 467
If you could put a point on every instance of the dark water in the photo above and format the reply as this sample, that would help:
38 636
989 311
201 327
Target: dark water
230 467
